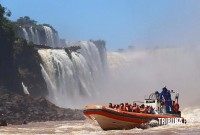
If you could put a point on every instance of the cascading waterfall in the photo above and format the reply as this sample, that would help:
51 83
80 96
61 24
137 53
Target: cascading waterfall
34 35
72 80
25 89
30 34
37 37
57 40
25 33
89 49
50 36
40 35
92 55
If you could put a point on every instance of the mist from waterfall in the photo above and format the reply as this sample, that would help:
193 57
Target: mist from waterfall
73 80
137 73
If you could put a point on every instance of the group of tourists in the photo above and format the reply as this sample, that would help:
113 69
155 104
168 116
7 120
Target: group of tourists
164 98
132 108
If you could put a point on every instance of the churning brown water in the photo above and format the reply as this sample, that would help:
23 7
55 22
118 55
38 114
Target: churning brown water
92 128
88 127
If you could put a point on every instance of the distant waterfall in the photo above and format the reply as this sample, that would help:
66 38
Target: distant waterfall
30 34
34 35
71 80
25 34
51 36
40 35
37 37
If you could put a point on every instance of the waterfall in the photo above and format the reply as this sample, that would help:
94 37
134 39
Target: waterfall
37 37
25 33
40 35
92 55
57 40
72 79
49 36
25 89
34 35
30 34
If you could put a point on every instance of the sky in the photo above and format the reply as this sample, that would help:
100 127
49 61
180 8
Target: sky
121 23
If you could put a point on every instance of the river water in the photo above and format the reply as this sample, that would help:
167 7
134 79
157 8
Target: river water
88 127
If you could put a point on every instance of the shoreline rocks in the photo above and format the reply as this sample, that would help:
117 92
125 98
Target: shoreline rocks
21 109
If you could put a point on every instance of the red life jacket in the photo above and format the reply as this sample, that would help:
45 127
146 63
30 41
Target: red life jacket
143 110
136 109
176 107
122 108
127 107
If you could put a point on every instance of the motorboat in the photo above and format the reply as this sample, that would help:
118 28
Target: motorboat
112 118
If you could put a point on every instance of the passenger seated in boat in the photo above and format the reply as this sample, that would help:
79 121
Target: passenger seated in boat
122 107
150 110
110 105
135 108
143 109
127 107
117 106
134 105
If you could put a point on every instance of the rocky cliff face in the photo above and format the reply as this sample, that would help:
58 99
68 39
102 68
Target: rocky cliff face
27 62
18 109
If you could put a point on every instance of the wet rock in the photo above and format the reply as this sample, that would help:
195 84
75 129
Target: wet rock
25 122
3 123
18 109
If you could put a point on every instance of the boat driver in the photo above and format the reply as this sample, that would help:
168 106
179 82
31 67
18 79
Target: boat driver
165 94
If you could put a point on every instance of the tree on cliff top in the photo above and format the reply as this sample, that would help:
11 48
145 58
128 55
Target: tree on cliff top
25 21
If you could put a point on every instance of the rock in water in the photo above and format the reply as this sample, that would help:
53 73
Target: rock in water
3 123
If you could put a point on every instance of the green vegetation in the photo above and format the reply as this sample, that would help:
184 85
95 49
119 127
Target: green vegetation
7 38
25 21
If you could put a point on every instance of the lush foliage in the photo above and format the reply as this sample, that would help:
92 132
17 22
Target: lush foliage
25 21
